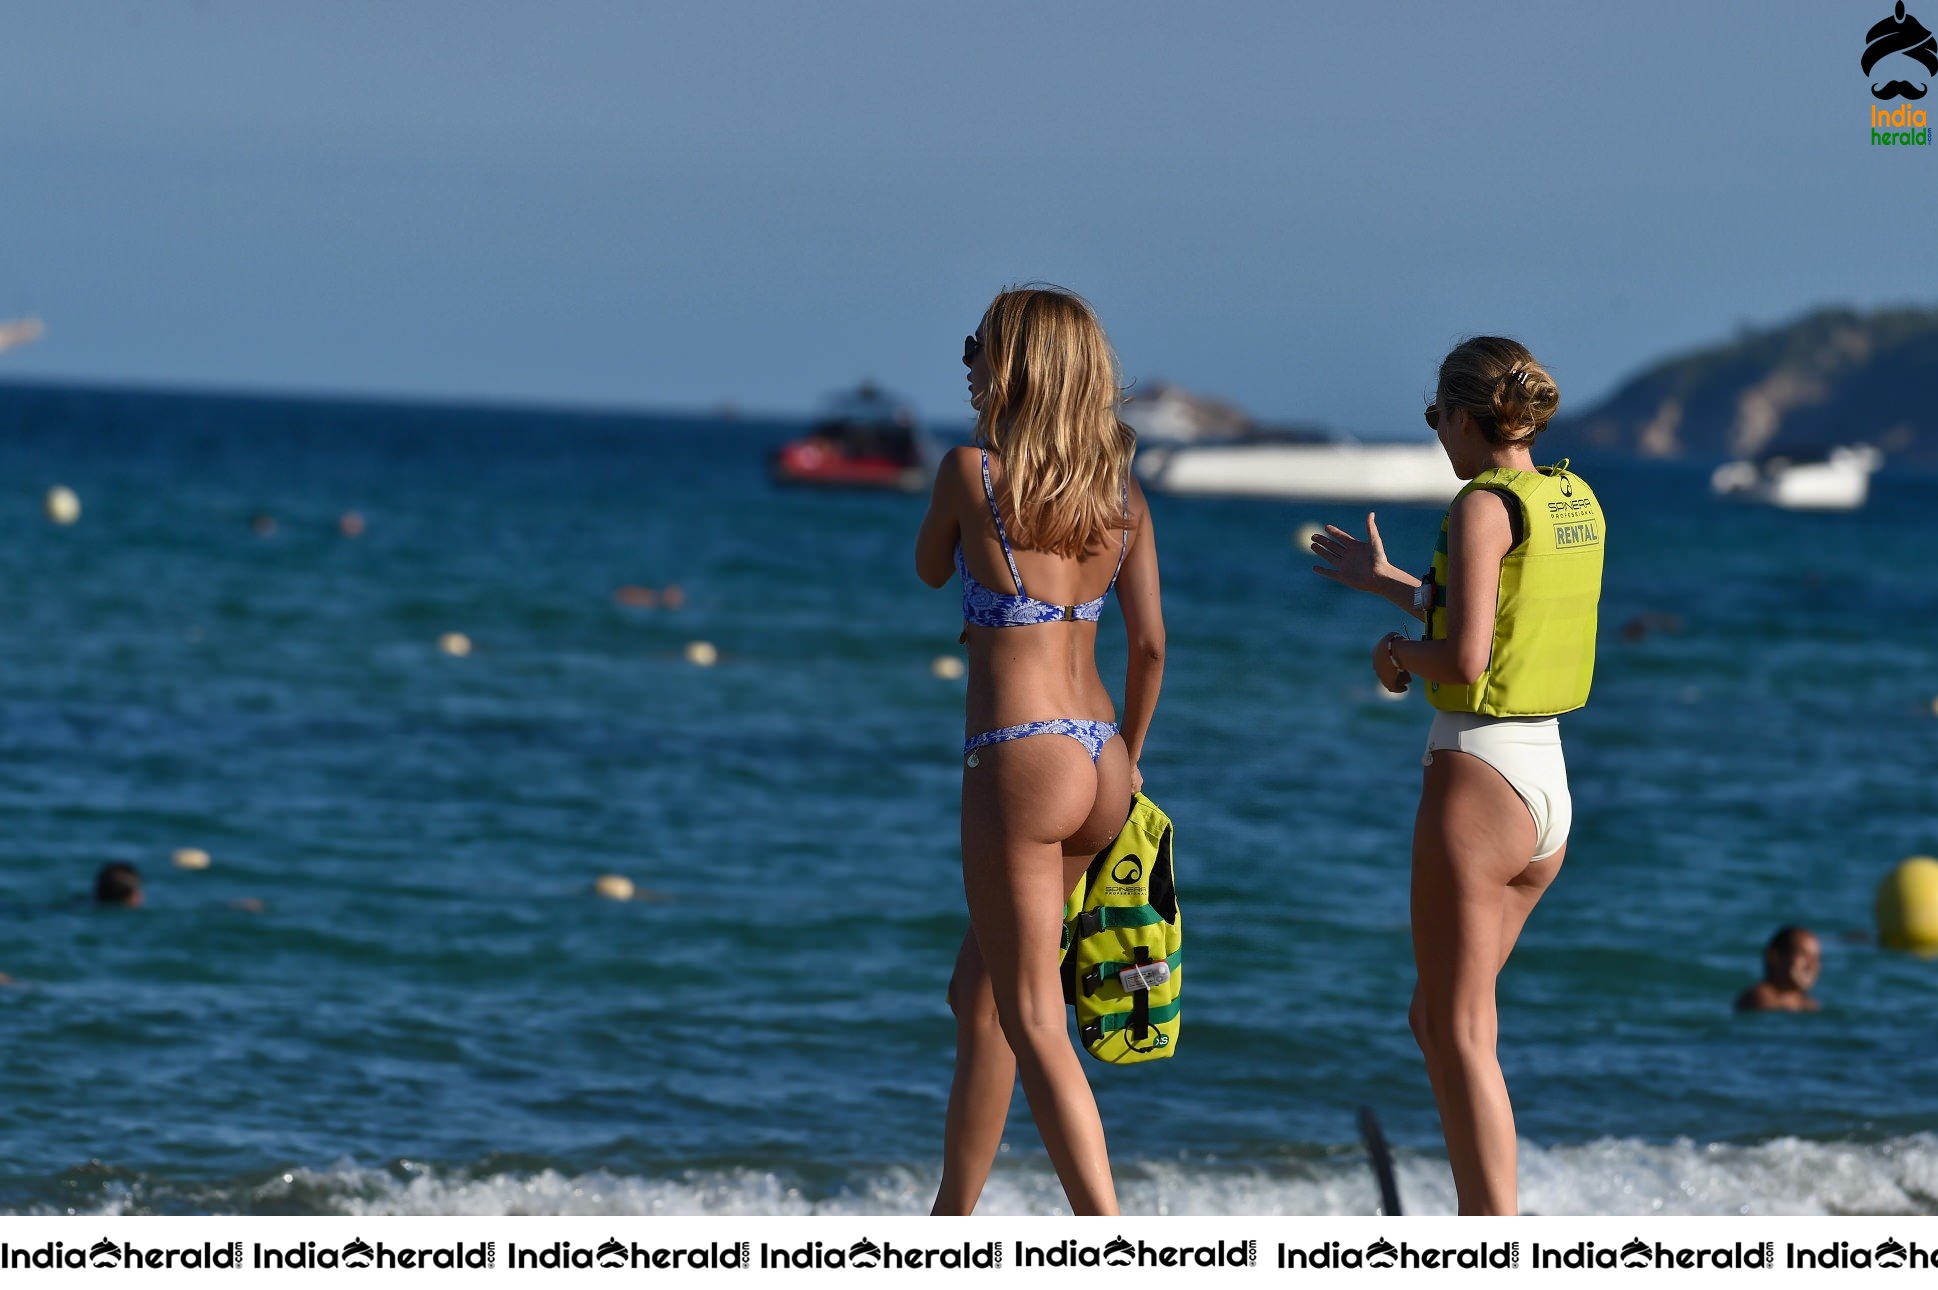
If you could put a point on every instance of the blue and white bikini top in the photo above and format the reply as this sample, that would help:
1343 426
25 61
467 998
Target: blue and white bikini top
986 607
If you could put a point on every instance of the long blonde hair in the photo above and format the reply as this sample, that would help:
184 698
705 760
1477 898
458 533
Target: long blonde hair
1051 415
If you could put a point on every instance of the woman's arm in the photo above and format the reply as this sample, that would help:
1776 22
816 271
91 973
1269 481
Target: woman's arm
1137 596
1362 565
1479 533
935 541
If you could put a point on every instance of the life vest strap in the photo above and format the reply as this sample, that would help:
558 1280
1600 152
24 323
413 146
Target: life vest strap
1107 971
1112 1022
1105 917
1140 1018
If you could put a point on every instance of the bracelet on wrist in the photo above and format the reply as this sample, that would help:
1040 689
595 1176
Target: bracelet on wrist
1392 639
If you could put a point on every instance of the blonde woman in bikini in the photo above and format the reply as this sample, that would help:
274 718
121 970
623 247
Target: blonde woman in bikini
1042 520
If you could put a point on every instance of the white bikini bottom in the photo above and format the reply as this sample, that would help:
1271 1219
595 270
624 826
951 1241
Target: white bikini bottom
1527 753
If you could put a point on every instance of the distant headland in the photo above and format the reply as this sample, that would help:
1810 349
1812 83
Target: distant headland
1834 376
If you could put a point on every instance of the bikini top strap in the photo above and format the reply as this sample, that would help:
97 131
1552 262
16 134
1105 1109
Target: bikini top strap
1124 546
1001 536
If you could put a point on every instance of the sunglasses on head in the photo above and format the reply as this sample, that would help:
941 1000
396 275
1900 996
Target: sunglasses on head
1433 415
971 347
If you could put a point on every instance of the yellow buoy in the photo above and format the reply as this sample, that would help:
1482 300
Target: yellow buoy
702 653
456 644
63 506
946 667
1307 533
1907 906
191 858
1934 707
613 886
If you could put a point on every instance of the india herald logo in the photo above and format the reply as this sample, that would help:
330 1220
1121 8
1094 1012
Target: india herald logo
1903 34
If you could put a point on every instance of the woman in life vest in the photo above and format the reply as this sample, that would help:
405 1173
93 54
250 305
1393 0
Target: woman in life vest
1042 518
1509 644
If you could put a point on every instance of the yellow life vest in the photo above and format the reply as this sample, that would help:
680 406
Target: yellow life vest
1543 657
1123 937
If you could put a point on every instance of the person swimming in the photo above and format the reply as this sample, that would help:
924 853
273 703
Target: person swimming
1048 770
118 883
1792 961
1509 644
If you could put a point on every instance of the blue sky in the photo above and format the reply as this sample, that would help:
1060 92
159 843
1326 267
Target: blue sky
1296 207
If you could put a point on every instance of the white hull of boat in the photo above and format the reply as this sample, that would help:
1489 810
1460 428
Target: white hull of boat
1842 483
1398 472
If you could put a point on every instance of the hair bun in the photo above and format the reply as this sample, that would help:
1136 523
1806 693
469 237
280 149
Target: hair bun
1498 381
1523 402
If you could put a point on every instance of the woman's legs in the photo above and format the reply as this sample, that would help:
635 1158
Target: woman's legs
1034 813
1473 889
979 1095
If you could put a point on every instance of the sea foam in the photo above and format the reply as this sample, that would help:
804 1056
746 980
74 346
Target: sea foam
1608 1176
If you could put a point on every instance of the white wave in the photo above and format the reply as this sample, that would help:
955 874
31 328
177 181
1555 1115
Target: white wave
1610 1176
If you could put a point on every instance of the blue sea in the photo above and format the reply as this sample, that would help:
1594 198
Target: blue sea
430 1011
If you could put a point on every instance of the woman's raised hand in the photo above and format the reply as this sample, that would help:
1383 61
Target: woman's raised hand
1357 564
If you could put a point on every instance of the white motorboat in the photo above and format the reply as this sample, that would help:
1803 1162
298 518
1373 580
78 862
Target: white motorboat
1840 480
1164 413
1268 466
1190 444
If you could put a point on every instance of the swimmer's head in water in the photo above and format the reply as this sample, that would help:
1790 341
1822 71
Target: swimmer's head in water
1496 384
117 884
1050 393
1794 958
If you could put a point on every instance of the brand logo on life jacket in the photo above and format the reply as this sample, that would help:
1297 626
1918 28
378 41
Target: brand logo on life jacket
1567 487
1127 871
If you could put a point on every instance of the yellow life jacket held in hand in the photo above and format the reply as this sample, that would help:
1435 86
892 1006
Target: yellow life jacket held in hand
1122 934
1543 658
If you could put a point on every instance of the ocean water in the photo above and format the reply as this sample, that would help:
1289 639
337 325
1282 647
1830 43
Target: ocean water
431 1012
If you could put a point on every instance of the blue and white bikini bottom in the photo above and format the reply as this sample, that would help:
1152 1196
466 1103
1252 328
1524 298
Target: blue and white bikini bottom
1093 735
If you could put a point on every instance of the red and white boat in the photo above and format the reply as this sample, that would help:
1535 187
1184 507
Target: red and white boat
865 440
